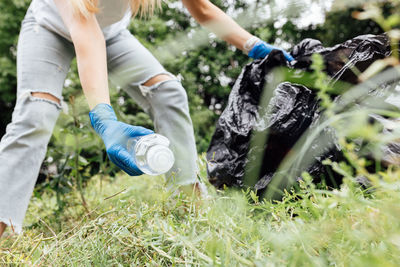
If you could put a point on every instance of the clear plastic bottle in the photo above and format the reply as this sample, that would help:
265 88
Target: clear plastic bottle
151 153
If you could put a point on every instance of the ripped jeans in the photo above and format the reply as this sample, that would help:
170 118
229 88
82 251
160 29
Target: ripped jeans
43 61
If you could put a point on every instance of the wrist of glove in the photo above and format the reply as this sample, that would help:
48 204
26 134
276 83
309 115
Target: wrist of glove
258 49
115 135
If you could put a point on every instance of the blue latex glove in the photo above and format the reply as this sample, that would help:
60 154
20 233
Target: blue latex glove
261 49
115 135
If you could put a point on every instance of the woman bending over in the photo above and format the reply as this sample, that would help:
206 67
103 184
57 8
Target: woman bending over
95 31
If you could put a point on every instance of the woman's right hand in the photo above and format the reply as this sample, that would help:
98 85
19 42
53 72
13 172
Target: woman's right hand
115 135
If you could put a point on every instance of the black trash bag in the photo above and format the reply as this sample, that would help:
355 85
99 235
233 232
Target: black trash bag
341 59
226 155
292 110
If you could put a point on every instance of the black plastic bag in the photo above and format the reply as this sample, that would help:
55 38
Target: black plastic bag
292 110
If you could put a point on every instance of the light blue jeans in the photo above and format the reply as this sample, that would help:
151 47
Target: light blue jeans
43 61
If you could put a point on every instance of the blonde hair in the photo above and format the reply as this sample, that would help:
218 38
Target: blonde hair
138 7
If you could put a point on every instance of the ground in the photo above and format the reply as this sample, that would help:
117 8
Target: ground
136 222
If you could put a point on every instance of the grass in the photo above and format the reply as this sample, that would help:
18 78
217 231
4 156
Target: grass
135 222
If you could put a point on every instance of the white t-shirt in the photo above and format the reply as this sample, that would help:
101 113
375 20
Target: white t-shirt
113 17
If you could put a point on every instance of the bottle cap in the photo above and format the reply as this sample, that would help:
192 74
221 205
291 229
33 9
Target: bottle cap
160 158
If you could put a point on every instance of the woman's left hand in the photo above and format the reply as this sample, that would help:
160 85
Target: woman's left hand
261 49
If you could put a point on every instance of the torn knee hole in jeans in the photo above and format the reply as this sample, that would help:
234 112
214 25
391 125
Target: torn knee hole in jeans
155 81
45 97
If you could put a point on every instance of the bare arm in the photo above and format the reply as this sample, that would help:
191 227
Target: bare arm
90 51
210 16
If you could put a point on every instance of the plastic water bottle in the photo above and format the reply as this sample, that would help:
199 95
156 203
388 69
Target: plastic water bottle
151 153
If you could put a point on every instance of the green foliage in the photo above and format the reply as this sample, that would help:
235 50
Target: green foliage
339 26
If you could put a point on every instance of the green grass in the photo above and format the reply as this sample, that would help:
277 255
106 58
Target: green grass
145 226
